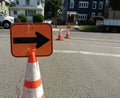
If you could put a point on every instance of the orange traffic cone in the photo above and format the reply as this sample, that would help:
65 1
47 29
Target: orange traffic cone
60 35
67 34
33 84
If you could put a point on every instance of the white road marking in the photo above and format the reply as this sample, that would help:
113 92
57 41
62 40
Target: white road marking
117 47
87 53
93 45
69 43
101 40
103 46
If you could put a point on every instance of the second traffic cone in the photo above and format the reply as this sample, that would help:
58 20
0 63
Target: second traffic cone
60 35
67 34
33 83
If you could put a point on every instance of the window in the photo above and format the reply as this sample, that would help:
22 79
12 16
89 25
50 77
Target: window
0 3
83 4
0 15
15 12
92 14
94 5
29 12
99 14
82 16
38 2
17 2
100 5
27 2
71 4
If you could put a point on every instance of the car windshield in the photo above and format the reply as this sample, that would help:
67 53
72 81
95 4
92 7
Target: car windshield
3 13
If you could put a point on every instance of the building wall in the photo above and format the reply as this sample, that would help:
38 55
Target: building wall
33 7
32 3
84 9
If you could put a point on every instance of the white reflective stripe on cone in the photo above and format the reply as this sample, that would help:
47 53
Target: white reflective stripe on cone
33 72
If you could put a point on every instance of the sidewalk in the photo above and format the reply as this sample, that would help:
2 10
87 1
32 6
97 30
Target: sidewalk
63 27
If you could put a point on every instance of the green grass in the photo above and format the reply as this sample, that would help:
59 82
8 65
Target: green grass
1 27
92 28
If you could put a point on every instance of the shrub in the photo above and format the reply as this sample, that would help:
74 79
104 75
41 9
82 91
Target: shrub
22 18
94 19
17 20
98 18
38 18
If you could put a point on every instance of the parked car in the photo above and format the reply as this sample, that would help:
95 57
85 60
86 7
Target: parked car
48 21
6 21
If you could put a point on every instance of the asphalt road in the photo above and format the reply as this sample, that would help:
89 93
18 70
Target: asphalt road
85 66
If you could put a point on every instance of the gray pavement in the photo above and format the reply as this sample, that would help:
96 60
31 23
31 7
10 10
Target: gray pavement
85 66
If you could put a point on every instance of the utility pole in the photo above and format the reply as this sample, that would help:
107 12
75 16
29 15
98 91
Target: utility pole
66 11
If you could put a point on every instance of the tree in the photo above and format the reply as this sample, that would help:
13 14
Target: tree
52 8
115 5
22 18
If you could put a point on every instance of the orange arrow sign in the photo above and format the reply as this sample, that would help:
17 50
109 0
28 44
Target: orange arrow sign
26 36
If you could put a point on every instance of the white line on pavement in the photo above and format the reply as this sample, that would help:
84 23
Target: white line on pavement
117 47
87 53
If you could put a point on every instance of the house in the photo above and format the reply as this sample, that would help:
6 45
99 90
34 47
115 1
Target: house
28 8
82 10
4 6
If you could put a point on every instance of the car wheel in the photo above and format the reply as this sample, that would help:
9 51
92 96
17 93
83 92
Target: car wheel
6 24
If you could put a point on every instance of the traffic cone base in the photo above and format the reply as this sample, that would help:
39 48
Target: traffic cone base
67 34
60 38
33 83
33 93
